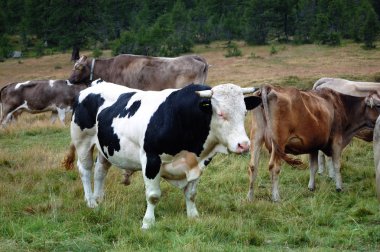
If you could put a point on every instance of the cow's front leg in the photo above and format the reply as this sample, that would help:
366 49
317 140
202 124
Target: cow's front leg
151 171
190 192
314 158
84 166
101 169
61 115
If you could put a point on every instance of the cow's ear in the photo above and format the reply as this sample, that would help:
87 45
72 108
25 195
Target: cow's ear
205 105
252 102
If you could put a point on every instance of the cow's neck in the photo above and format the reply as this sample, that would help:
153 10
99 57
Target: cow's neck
101 69
355 119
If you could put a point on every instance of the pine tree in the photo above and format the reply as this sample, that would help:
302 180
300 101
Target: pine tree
370 29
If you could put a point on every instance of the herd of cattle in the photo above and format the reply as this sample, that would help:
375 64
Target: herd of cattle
154 119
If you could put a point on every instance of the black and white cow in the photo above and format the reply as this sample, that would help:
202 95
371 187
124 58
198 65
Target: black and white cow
172 134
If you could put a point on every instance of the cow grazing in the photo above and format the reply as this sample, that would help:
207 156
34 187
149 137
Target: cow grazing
37 96
142 72
302 122
172 134
353 88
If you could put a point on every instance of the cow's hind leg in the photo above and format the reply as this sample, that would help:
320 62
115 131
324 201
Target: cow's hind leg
321 162
151 173
257 139
338 175
313 169
330 166
274 171
53 117
101 169
190 192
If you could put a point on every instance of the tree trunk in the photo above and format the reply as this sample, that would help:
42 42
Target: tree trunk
75 53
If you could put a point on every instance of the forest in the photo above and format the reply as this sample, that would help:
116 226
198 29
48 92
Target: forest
172 27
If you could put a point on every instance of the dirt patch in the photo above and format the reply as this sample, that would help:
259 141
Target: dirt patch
256 66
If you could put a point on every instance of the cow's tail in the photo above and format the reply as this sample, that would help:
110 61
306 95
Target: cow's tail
295 162
68 161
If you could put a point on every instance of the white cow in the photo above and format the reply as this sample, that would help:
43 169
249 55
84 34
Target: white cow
172 134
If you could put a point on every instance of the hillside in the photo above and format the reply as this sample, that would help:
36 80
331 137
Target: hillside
257 65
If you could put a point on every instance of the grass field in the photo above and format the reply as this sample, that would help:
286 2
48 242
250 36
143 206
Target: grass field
42 206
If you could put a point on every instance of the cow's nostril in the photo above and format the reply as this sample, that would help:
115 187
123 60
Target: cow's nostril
243 146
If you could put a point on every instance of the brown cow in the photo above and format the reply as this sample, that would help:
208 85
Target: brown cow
142 72
354 88
303 122
37 96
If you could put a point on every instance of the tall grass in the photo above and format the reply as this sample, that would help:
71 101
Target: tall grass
42 206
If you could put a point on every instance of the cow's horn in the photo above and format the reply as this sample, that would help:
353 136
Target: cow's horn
204 93
366 88
248 90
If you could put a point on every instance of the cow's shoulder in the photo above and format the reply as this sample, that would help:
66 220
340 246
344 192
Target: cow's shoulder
180 122
85 109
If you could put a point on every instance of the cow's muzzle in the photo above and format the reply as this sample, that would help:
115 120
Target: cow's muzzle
242 147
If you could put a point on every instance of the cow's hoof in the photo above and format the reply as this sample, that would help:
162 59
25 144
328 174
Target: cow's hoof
276 199
311 189
92 203
250 197
147 225
338 189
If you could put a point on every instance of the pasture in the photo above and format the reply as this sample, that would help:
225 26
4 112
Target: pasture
42 206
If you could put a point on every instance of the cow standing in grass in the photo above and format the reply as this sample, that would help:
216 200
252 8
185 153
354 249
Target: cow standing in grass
172 134
142 72
354 88
303 122
37 96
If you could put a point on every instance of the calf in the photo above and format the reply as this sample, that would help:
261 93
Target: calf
303 122
354 88
37 96
172 134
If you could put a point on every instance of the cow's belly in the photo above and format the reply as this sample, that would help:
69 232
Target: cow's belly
128 157
297 145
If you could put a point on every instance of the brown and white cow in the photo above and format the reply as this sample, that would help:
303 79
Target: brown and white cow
354 88
302 122
37 96
142 72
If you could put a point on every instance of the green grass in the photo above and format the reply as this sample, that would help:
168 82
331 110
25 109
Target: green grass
42 206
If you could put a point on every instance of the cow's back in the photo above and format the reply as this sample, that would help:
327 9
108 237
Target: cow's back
157 73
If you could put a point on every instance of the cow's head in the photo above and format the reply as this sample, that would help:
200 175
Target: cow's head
229 107
372 100
81 71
